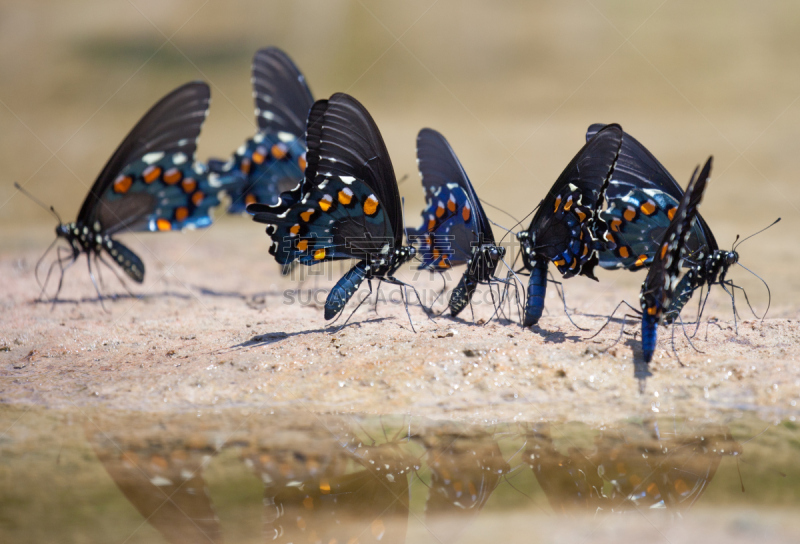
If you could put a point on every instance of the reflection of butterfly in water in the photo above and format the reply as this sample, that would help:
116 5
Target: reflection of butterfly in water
273 160
455 229
566 228
150 183
659 285
465 471
166 486
642 200
347 206
637 469
330 497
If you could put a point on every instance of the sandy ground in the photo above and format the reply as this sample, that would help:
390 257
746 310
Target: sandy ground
216 326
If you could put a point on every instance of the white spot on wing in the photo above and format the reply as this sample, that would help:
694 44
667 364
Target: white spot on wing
155 156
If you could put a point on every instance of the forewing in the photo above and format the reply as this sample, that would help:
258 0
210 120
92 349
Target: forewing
170 128
282 97
662 277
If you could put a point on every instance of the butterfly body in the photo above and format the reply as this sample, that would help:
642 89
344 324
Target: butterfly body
662 277
346 207
642 200
273 161
151 183
455 228
567 229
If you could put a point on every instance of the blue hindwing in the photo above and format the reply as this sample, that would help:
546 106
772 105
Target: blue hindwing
264 167
170 192
636 223
448 235
339 218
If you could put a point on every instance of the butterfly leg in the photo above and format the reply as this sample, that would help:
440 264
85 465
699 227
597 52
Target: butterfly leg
403 294
73 259
50 269
94 282
612 317
39 262
116 275
733 303
683 327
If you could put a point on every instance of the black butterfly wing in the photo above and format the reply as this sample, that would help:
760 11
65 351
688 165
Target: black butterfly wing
282 96
439 166
564 228
170 129
637 168
348 204
662 277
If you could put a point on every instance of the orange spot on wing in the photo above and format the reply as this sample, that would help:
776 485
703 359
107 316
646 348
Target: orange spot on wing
172 176
163 224
371 205
345 196
671 212
151 173
259 155
629 214
278 151
122 184
325 203
188 185
648 208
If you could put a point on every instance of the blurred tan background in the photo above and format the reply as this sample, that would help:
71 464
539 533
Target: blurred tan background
512 84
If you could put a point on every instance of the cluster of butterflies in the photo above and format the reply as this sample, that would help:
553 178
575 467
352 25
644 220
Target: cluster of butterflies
614 205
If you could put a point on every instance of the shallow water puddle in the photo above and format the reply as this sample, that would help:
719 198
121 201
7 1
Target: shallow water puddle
266 476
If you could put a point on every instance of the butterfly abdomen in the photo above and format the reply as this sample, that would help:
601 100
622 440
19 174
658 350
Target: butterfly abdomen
649 336
462 294
537 287
126 259
344 290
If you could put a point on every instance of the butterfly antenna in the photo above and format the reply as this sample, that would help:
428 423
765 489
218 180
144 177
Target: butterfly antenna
735 245
518 223
39 202
499 210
